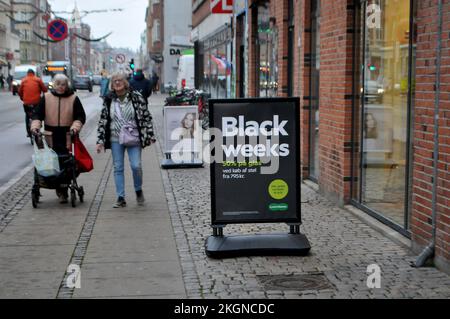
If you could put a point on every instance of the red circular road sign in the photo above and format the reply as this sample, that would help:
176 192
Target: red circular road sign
57 30
120 58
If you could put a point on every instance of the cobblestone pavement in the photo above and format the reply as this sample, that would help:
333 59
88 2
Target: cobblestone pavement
342 249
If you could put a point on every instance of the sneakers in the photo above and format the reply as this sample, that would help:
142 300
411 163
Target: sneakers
140 198
120 203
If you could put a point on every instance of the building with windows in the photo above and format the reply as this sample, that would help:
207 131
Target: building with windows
373 78
155 36
212 35
168 34
31 19
9 41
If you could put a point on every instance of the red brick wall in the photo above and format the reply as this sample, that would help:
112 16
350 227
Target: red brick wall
302 70
201 13
423 143
336 80
252 36
156 47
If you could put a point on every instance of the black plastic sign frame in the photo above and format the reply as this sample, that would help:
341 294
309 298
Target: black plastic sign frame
269 130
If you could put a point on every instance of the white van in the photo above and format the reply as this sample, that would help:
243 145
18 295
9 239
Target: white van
185 78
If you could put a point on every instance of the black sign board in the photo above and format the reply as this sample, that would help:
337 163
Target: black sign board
255 169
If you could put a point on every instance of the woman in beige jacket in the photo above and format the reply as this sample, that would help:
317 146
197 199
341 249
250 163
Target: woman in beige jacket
62 112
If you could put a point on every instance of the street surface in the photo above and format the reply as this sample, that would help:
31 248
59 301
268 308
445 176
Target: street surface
16 151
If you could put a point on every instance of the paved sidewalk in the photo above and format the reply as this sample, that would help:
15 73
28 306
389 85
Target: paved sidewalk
342 249
123 253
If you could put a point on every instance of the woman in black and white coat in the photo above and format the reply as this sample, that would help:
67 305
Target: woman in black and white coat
124 106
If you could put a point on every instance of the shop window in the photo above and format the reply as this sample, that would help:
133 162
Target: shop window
386 62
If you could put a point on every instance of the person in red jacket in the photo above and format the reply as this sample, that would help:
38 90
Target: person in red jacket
30 92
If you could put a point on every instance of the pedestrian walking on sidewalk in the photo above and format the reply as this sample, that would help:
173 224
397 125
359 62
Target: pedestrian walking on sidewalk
125 108
104 86
62 113
141 84
30 92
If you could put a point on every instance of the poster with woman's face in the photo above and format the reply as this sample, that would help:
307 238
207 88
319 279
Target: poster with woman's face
181 129
378 129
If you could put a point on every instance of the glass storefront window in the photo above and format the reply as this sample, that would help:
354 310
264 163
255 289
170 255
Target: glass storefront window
267 64
222 69
206 72
315 92
214 75
385 75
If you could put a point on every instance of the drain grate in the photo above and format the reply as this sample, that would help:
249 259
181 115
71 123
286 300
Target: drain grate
310 281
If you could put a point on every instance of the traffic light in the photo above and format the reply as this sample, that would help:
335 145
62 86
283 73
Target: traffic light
132 64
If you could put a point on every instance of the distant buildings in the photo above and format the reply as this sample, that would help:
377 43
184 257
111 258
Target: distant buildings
9 41
168 34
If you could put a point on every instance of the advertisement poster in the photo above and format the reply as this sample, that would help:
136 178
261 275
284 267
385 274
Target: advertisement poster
255 174
378 134
181 128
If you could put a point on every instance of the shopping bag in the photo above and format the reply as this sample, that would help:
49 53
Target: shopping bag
45 160
83 159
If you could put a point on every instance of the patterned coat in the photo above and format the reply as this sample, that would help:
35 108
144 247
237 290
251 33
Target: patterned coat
142 114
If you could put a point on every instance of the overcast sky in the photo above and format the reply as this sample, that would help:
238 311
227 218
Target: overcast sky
126 25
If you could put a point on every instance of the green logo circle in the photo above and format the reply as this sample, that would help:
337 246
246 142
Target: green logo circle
278 189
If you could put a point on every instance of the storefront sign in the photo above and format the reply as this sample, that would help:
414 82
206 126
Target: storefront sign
175 52
255 176
219 38
221 6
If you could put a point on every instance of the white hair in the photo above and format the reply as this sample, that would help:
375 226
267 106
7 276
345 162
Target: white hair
59 78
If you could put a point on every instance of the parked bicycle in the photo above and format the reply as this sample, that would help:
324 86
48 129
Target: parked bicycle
192 97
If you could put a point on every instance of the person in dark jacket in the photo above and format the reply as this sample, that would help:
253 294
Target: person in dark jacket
155 79
141 84
62 112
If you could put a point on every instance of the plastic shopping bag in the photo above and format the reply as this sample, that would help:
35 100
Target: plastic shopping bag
45 160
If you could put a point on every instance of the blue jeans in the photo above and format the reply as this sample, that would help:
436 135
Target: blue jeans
134 155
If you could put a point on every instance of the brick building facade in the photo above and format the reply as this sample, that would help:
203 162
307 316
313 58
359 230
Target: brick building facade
367 73
155 35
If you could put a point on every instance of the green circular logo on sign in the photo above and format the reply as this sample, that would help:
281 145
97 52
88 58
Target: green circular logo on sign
278 189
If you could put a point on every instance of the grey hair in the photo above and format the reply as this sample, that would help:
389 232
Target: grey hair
119 76
61 78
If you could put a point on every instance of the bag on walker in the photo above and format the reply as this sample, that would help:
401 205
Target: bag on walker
45 160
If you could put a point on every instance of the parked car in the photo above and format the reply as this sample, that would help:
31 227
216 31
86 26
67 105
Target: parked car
374 92
97 79
82 82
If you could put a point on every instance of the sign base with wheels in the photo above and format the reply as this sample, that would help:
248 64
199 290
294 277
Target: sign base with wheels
219 247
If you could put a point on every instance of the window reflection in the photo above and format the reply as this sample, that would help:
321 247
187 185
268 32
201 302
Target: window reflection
268 53
385 116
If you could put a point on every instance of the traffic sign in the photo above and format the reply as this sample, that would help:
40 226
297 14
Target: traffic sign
120 58
57 30
221 6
